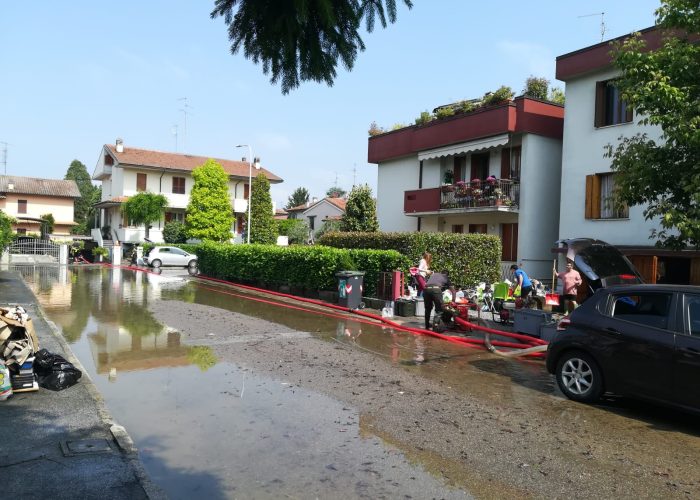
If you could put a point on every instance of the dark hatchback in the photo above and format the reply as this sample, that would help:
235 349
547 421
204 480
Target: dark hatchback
641 341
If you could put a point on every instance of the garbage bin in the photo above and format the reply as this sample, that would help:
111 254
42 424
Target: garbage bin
350 289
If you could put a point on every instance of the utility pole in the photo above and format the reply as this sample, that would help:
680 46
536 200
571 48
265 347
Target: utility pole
602 23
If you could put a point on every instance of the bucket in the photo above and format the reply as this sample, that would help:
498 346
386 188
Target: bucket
420 307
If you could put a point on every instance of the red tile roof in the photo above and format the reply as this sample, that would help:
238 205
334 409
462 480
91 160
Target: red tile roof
43 187
338 202
177 161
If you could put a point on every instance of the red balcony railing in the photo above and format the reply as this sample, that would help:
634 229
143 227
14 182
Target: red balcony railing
488 193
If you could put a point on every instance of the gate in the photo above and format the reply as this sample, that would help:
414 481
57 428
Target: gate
34 251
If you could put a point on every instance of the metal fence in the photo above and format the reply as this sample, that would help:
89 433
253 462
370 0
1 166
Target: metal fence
34 250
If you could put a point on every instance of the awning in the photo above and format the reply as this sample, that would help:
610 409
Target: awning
465 147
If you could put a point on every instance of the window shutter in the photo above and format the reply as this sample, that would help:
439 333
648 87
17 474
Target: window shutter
589 197
628 113
457 170
140 182
245 191
505 163
599 104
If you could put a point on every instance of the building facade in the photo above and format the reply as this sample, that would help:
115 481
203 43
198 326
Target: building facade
595 117
495 170
126 171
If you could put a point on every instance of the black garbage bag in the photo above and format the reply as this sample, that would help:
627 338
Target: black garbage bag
54 372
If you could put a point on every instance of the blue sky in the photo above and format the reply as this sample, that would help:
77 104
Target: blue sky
77 74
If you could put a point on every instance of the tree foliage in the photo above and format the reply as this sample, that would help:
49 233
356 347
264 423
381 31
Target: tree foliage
296 230
89 195
6 234
174 232
536 88
262 222
360 211
47 225
298 197
302 41
145 208
209 212
663 86
336 192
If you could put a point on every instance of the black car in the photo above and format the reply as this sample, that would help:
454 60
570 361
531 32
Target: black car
641 341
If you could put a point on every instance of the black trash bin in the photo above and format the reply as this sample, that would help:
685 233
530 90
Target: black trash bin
350 289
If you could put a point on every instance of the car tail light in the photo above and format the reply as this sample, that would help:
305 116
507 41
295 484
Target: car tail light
627 276
563 324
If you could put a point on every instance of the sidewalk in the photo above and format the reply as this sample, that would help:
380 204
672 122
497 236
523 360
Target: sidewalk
63 444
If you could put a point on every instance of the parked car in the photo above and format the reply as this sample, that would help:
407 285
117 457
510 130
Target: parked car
641 341
169 256
599 263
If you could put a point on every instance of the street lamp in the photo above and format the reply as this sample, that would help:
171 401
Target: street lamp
251 162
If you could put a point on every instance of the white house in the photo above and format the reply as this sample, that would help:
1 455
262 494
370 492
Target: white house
316 213
495 170
126 171
596 117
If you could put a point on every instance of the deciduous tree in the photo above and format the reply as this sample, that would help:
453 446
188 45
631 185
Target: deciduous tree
209 212
663 87
263 228
360 211
6 235
336 192
302 41
145 208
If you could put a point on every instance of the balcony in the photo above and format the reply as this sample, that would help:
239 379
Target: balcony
500 195
102 172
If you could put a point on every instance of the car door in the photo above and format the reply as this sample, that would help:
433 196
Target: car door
179 257
165 256
686 374
641 342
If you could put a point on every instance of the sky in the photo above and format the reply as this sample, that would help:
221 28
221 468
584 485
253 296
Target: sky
77 74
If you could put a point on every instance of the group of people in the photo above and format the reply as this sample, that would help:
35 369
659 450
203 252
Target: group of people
431 284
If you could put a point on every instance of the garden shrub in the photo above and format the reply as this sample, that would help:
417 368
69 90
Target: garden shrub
469 258
312 267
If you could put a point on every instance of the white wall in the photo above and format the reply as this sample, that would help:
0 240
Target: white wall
540 179
321 211
393 178
583 155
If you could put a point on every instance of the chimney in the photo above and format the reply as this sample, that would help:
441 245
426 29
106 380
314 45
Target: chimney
120 145
314 199
10 187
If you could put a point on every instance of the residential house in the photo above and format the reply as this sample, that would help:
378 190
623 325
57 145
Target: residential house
495 170
317 212
595 117
26 199
125 171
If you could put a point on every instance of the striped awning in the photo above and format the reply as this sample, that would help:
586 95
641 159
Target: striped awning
464 147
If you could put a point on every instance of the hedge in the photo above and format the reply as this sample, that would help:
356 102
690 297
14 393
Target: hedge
311 267
469 258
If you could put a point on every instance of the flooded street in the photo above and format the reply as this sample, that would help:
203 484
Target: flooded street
229 394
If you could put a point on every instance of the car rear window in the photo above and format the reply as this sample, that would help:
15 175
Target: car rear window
649 309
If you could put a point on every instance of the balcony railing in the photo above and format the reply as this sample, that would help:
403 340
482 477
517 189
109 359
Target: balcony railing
477 194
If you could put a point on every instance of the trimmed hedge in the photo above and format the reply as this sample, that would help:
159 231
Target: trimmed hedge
311 267
469 258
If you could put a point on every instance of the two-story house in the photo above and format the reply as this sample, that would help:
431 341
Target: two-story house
26 199
317 212
495 170
595 117
127 171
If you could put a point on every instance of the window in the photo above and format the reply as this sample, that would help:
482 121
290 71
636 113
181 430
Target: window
509 242
312 219
109 160
21 206
510 163
21 230
600 203
458 228
480 166
140 182
459 168
692 313
610 109
246 191
178 185
648 309
175 216
478 229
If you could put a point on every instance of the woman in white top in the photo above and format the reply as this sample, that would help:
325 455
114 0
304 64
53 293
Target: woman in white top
423 272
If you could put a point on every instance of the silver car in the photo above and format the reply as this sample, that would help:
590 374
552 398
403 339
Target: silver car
169 256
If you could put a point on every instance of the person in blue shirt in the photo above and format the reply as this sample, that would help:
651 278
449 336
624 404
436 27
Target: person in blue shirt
522 280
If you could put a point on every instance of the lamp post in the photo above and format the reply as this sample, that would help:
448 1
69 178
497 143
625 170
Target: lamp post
251 161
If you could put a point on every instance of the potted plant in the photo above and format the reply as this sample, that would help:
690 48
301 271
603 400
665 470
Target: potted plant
448 177
99 253
461 189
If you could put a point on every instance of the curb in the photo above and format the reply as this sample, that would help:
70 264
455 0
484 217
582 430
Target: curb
119 433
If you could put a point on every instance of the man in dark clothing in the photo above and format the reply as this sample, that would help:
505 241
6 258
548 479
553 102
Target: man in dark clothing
432 295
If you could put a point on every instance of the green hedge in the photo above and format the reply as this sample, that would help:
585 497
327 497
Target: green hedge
469 258
312 267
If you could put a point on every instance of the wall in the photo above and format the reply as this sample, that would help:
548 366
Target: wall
393 178
583 155
538 224
60 208
321 211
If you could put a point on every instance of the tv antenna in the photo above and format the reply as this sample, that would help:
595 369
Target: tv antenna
185 110
354 174
4 155
602 23
174 132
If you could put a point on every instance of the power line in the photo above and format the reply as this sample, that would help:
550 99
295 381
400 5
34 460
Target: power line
603 29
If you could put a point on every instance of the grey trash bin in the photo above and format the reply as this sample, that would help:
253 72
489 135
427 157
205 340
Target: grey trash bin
350 289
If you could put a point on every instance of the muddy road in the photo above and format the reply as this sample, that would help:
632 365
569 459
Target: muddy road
490 427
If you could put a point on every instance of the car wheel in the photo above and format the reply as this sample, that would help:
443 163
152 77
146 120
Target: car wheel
156 263
579 377
192 263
